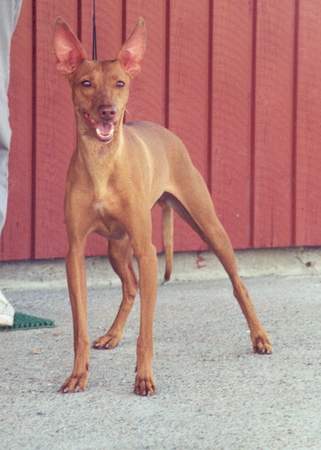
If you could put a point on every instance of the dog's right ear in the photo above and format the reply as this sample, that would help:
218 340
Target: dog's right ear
69 51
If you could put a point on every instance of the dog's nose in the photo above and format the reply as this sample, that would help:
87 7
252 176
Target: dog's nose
107 112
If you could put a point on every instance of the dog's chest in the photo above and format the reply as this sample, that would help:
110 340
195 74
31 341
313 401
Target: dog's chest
108 226
108 223
100 207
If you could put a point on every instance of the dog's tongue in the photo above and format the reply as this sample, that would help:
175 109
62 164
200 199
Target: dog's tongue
105 131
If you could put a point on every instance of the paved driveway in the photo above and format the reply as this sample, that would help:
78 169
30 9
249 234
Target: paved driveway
213 392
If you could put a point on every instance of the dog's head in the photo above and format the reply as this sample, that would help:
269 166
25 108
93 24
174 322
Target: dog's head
99 88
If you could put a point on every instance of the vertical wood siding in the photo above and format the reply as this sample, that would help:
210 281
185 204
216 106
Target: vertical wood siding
238 80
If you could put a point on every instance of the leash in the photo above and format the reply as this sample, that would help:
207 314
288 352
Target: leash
94 43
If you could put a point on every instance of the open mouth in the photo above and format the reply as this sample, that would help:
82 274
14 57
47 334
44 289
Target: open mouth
104 130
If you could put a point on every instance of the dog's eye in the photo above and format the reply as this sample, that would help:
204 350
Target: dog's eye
120 84
86 83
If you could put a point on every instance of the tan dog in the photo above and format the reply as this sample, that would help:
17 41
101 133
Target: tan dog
116 175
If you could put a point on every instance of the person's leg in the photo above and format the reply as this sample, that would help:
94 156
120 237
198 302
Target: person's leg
9 13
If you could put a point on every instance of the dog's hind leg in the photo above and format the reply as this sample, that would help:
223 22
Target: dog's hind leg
193 202
120 257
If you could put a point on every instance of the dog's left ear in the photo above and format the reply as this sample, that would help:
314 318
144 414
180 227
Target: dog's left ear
132 51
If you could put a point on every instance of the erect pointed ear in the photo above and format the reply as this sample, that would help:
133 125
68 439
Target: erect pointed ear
132 52
68 49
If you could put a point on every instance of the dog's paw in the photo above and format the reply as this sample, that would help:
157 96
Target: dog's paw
75 383
107 341
144 385
261 343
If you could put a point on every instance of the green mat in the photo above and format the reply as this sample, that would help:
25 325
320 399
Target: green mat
26 322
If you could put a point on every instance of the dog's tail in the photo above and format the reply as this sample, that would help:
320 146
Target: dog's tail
168 231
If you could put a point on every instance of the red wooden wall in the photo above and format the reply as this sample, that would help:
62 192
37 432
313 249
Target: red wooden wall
238 80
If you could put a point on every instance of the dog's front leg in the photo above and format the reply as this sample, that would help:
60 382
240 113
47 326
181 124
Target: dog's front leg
75 265
147 263
145 253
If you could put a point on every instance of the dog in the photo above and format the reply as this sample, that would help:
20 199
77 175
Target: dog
117 173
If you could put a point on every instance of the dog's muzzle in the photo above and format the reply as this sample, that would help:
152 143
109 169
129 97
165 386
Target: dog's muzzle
104 129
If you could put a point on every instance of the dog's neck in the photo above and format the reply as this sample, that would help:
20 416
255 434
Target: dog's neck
99 159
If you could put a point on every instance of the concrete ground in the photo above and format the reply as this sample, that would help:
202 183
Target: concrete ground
213 392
